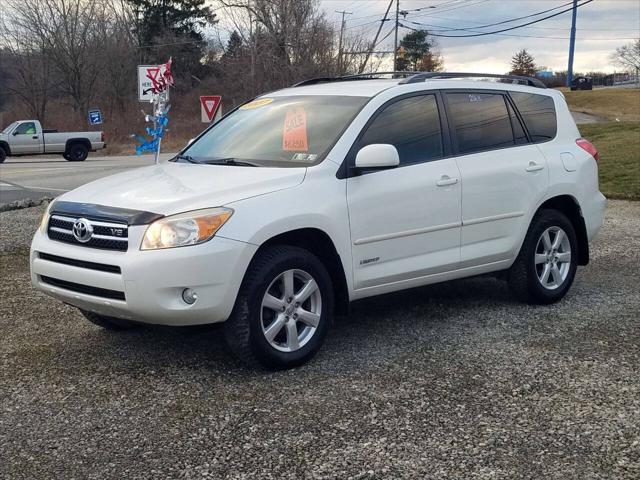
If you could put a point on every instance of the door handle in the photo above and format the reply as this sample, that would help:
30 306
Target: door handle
35 137
534 167
446 180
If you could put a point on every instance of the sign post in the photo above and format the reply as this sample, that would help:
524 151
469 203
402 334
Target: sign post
153 86
210 108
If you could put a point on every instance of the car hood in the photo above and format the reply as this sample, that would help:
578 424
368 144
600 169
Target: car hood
170 188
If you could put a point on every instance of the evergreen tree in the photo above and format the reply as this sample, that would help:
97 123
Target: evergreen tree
522 63
173 28
418 53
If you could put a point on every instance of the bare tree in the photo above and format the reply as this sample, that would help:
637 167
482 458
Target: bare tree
628 56
29 80
73 36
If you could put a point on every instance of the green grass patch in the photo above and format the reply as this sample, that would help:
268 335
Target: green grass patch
619 146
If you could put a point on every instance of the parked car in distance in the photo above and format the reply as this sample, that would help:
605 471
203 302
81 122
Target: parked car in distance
582 83
304 199
27 137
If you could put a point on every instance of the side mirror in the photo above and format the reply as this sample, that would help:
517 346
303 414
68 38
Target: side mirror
15 132
377 155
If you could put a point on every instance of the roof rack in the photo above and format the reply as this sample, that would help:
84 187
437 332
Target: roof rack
416 77
358 76
421 77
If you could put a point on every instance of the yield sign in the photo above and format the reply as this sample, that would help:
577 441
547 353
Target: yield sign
209 107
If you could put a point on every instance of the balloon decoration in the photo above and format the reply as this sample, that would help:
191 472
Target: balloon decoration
161 79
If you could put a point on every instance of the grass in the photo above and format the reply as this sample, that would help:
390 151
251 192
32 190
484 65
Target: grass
614 104
619 146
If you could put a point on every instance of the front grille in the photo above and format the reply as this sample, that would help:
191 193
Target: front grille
101 267
106 235
86 289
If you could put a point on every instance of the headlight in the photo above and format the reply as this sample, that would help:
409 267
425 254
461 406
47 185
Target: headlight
45 218
189 228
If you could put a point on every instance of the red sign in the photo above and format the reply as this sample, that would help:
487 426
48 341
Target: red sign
209 106
294 136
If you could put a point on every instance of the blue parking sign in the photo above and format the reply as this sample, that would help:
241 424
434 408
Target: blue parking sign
95 117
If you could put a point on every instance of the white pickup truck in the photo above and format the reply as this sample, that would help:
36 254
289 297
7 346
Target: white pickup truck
26 137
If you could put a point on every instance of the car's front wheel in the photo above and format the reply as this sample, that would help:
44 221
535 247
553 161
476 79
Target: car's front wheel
548 259
283 309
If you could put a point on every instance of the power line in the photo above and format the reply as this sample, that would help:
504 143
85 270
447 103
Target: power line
511 19
481 34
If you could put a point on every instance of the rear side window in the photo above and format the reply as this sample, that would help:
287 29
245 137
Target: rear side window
480 121
538 113
412 125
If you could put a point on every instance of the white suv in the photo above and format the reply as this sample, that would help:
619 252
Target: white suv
305 199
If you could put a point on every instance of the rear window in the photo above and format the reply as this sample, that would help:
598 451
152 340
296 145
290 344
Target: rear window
538 113
481 121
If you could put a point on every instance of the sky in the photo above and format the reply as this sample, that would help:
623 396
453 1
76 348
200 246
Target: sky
602 25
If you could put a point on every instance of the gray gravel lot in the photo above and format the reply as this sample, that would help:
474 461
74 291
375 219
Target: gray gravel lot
450 381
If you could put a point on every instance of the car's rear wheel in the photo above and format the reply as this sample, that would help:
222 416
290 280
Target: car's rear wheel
548 260
283 310
108 323
77 152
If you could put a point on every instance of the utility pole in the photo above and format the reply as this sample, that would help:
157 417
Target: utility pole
572 43
343 12
395 40
375 40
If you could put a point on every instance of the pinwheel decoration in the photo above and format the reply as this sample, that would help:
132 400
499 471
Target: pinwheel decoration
161 79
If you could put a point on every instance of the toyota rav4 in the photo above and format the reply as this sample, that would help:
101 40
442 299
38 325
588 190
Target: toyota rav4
305 199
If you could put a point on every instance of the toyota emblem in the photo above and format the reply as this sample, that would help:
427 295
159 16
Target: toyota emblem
82 230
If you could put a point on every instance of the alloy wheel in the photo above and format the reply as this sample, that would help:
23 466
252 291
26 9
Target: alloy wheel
553 258
291 310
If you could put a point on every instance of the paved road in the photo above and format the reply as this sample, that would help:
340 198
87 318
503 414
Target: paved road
43 176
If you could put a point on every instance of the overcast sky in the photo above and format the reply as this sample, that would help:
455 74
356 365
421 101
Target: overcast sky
602 25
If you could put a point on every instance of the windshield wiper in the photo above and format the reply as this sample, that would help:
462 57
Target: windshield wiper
188 158
229 161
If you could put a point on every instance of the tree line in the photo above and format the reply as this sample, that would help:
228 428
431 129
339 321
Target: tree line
60 57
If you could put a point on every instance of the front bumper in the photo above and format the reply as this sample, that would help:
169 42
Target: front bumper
149 286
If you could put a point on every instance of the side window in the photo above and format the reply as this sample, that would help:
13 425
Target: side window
26 128
480 121
538 113
412 125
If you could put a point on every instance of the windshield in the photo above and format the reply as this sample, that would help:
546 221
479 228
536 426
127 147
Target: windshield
277 132
9 127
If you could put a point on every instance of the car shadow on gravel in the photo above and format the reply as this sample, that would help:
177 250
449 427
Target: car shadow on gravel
375 333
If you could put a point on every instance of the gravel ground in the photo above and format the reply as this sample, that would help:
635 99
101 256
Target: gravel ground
449 381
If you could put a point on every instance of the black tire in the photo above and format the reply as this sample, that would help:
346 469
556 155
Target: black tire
243 330
108 323
77 152
3 155
523 275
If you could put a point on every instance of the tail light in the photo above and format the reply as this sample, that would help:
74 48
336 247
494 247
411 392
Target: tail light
588 147
102 137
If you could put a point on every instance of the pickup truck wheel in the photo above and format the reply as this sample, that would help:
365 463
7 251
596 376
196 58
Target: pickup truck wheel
548 260
108 323
3 155
77 153
283 310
